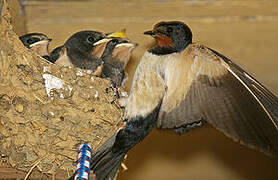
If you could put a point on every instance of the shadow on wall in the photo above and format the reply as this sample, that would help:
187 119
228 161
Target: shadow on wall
18 17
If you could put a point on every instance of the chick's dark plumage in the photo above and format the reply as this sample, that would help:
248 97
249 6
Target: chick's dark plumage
115 57
37 42
31 38
56 54
83 50
105 55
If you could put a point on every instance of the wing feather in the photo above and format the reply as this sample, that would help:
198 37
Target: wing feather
221 93
266 99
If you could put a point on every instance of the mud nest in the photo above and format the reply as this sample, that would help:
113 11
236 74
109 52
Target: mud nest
47 111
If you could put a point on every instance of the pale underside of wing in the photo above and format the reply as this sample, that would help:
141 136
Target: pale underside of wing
224 96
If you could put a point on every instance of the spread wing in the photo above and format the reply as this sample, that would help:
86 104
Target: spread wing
211 87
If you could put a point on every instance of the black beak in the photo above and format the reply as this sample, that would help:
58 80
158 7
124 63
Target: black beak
151 33
49 39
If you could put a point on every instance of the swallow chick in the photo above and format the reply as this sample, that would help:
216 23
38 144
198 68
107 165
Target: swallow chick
83 50
180 85
115 57
37 42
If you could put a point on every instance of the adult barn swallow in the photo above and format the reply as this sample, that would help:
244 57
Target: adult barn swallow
179 85
115 57
83 50
37 42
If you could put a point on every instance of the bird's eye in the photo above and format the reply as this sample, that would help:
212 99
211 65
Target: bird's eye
29 41
91 39
169 29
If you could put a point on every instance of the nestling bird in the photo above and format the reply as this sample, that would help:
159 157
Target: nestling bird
37 42
83 50
180 85
115 57
106 55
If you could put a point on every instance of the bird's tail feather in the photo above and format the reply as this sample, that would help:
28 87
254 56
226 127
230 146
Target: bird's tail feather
105 162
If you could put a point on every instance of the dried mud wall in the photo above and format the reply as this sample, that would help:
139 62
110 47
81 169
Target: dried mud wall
47 111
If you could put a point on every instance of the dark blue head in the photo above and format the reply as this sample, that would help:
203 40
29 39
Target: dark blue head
172 36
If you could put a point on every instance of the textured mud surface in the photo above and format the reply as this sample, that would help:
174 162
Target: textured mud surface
47 111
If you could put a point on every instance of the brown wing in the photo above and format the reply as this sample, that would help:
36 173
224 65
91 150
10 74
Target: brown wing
225 96
267 100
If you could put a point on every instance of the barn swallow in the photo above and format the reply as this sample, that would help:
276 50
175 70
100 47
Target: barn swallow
37 42
83 50
115 57
179 85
